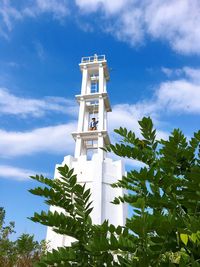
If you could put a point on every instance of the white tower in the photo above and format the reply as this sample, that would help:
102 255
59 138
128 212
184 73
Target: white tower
90 162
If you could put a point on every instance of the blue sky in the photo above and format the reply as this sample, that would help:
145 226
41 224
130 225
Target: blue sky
152 48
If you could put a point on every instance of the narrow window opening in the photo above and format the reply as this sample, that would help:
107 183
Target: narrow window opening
90 153
93 116
94 87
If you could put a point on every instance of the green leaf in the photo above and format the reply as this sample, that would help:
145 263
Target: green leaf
193 237
163 224
118 230
184 238
113 241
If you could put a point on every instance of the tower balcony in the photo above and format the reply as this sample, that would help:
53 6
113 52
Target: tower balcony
95 96
92 62
92 135
95 58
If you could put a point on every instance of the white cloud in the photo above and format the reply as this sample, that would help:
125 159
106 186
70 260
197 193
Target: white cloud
52 139
180 95
160 134
14 173
172 72
58 139
193 74
129 27
174 21
11 104
9 13
167 71
122 115
111 6
127 115
58 8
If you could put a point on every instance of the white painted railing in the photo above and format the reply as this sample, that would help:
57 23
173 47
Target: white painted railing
94 58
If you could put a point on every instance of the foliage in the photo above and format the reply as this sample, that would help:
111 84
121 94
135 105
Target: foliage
23 252
164 229
7 247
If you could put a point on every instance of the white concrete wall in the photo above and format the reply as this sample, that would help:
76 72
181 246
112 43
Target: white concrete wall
98 175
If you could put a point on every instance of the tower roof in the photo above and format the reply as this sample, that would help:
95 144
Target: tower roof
93 62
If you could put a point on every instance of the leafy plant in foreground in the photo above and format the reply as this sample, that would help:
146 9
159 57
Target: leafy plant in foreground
7 248
23 252
164 229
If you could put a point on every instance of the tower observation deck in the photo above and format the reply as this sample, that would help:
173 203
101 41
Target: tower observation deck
90 162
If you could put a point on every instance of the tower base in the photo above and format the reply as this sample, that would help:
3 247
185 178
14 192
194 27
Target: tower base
98 175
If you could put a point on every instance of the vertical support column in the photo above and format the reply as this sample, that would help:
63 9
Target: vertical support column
86 120
100 144
97 192
84 80
88 86
105 121
81 115
101 78
101 114
78 147
105 90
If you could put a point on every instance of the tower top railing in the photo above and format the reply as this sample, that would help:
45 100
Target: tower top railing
95 58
